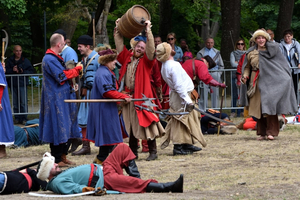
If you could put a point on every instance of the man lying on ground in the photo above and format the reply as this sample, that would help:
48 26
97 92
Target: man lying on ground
89 177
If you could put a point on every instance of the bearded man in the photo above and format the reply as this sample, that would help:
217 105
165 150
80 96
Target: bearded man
135 74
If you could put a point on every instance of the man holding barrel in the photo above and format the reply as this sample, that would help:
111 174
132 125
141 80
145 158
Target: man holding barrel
135 74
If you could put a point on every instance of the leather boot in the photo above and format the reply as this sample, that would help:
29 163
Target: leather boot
152 150
85 150
62 164
176 186
66 161
179 150
189 147
75 143
133 144
145 148
132 169
2 151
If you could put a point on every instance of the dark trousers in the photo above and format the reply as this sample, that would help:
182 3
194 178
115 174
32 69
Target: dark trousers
104 151
295 81
134 146
235 97
19 95
268 125
58 150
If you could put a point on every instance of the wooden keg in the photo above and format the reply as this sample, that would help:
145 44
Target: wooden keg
133 21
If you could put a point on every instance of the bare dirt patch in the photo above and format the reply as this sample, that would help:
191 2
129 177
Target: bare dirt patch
230 167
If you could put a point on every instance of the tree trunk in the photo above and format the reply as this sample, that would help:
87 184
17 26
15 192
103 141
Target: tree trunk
231 14
99 10
37 38
165 13
69 23
209 29
101 30
284 17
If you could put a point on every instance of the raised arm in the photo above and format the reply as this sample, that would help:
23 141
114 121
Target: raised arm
119 41
150 47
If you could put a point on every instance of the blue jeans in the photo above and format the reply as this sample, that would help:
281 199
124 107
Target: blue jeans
20 102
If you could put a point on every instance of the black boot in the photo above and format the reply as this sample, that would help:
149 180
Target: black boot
176 186
179 150
133 144
189 147
152 150
132 169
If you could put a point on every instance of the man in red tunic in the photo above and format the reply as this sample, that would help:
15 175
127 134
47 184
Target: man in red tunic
198 70
135 74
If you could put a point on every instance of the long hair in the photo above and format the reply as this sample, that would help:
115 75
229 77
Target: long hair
236 44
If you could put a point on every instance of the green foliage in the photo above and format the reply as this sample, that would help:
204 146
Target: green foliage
17 7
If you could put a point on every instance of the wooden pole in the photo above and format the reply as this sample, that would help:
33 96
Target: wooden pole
219 123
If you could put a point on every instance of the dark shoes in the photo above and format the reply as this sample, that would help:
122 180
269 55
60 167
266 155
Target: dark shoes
191 147
132 169
75 143
152 156
176 186
85 150
184 149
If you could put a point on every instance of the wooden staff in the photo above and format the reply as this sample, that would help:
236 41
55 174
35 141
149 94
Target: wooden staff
102 100
219 124
94 32
3 45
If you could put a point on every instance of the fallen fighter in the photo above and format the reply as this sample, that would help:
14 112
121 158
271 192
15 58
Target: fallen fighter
20 181
89 177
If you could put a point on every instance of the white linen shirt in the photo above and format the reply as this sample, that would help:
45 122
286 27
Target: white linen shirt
177 79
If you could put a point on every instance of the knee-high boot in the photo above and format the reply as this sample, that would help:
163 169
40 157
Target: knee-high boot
152 150
132 169
176 186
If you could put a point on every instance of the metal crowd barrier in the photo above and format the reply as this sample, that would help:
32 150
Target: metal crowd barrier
32 92
35 86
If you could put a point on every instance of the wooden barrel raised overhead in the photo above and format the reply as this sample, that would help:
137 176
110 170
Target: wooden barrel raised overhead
132 22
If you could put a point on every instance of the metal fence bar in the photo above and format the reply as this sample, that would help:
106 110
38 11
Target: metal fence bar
32 95
35 81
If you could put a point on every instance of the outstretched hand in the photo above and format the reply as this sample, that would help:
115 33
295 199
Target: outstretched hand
1 108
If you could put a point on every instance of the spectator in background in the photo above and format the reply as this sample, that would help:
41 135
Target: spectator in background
271 33
216 56
18 64
235 56
290 49
68 42
171 39
157 40
186 56
184 46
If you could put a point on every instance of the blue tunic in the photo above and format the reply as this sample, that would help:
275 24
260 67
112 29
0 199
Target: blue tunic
69 54
87 81
7 135
103 124
56 117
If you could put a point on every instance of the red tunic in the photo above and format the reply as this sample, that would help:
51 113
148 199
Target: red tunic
156 80
114 179
142 83
201 70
